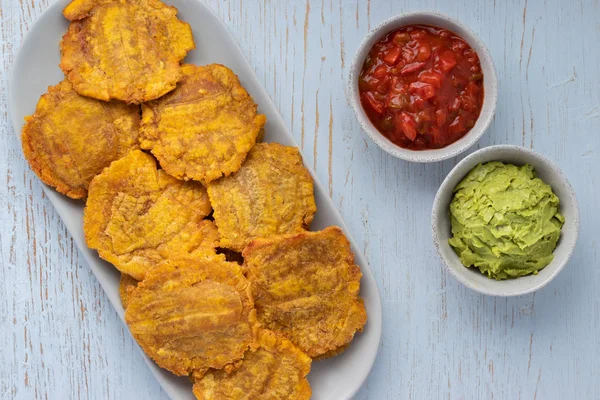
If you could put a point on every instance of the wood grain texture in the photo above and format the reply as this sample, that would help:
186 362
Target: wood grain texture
62 340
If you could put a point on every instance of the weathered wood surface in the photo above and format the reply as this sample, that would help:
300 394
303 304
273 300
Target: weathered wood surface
61 338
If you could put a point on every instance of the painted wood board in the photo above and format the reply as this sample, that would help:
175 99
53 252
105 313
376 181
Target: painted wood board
63 340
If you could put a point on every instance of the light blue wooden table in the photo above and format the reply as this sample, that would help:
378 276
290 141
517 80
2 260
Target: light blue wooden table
61 338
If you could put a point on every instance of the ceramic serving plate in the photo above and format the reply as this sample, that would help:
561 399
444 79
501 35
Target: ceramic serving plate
36 68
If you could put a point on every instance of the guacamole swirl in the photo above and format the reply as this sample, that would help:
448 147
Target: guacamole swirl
505 220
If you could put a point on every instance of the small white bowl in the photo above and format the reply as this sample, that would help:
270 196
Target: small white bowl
490 85
547 172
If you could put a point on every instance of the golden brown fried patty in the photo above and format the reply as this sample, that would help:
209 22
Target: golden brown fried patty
128 50
126 286
306 287
71 138
193 314
205 127
137 216
271 194
276 370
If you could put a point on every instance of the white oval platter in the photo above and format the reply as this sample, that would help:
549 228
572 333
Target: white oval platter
36 68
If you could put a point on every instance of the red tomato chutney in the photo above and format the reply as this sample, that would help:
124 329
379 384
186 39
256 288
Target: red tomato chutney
422 87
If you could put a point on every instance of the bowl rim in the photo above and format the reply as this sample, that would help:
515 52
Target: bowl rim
526 154
488 110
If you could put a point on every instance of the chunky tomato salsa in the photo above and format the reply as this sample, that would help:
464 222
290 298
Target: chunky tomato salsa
422 87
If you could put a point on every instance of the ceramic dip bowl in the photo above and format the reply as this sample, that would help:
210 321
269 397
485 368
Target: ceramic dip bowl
547 172
490 85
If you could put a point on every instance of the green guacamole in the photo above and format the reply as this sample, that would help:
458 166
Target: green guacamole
505 221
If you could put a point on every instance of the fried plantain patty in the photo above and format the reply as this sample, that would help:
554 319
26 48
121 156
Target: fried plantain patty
138 217
204 128
271 194
128 50
71 138
306 287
